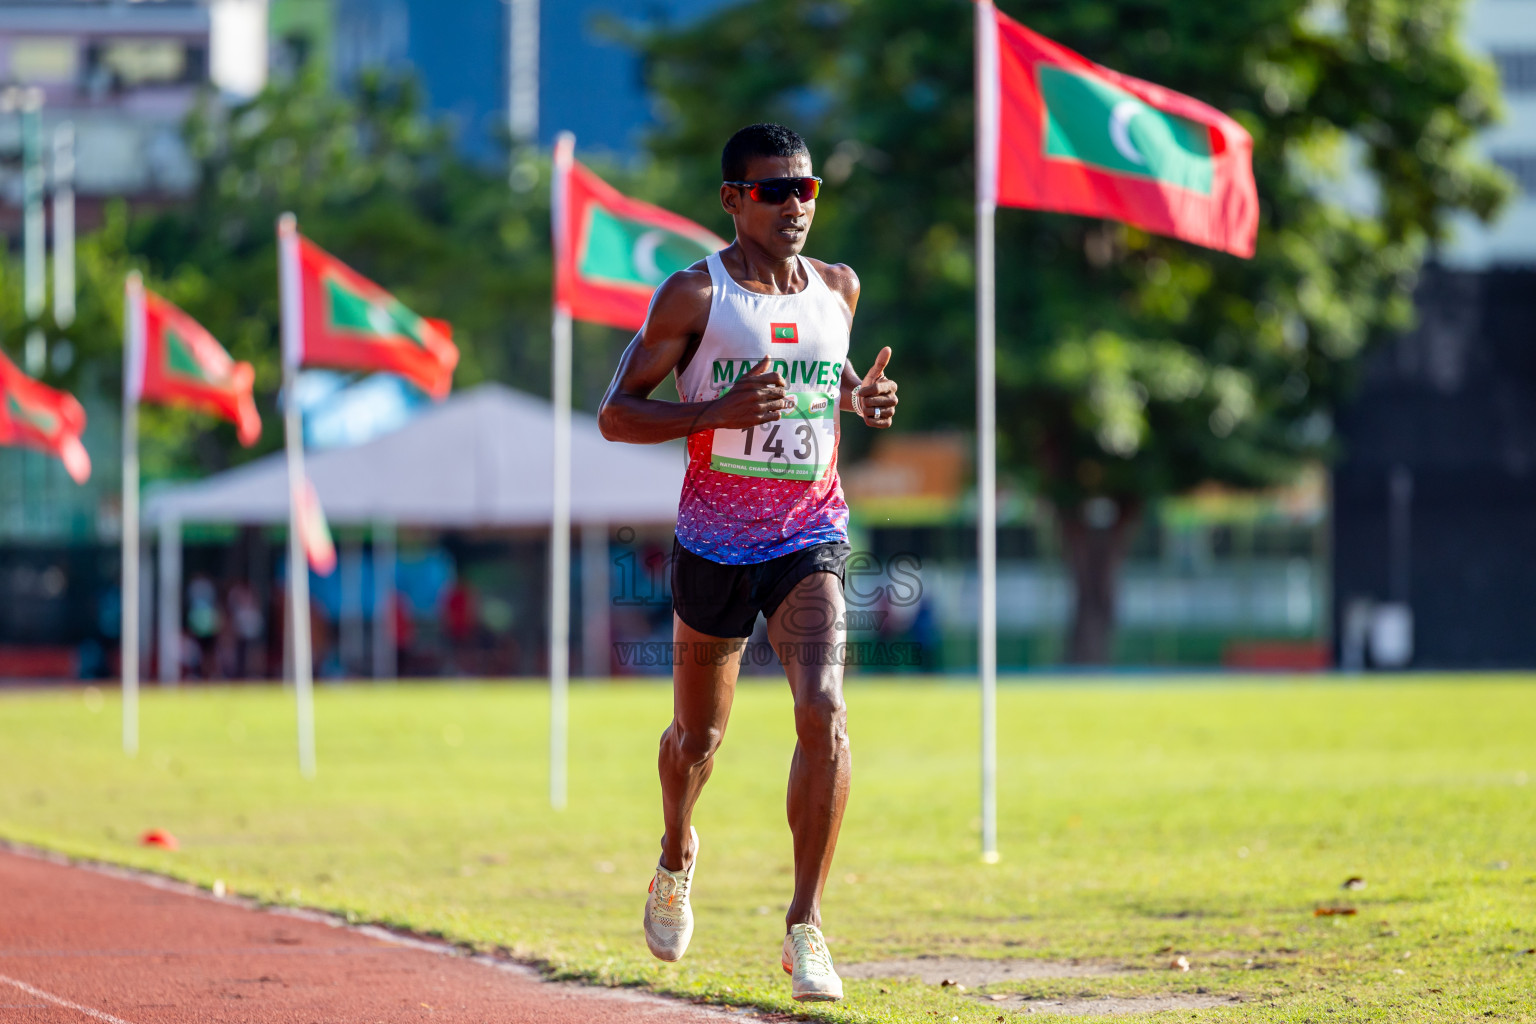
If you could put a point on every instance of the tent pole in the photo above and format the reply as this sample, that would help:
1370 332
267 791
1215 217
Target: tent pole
289 284
170 600
986 411
384 640
350 624
595 627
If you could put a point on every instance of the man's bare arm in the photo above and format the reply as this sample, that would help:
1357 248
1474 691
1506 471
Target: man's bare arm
679 314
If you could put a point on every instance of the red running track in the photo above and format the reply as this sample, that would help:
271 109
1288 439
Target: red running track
80 945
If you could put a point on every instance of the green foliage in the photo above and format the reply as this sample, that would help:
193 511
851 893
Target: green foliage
1128 365
1137 821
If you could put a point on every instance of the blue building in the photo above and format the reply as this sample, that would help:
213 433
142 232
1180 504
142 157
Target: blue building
590 86
587 83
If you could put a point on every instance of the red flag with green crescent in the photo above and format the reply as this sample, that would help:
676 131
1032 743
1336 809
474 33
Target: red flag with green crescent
175 361
34 415
315 532
349 323
612 251
1059 132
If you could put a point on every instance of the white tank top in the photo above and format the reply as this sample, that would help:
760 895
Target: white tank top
752 495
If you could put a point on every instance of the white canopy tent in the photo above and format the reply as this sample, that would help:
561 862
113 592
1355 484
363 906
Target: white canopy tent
480 459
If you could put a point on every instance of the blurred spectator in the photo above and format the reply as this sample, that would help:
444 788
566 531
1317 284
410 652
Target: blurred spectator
277 638
91 660
405 636
226 649
460 616
203 622
191 657
249 627
497 616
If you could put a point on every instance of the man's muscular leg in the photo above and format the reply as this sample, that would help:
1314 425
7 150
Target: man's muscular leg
807 631
703 685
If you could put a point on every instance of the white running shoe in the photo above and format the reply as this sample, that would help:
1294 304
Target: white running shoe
668 916
809 965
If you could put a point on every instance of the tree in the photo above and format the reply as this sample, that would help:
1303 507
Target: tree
1129 366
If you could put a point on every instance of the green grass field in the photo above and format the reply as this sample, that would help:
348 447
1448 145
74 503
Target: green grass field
1139 821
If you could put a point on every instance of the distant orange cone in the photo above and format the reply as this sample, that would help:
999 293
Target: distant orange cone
159 837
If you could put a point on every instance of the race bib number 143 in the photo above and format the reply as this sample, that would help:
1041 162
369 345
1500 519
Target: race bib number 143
797 446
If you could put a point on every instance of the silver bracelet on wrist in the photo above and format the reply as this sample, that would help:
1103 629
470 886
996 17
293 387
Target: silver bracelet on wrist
857 408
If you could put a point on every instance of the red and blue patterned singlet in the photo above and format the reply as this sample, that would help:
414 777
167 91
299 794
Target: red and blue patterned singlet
752 495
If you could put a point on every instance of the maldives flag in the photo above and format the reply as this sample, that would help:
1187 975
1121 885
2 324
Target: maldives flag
1059 132
173 360
333 316
315 532
33 415
612 251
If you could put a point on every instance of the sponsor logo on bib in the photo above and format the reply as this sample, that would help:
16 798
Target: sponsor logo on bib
786 333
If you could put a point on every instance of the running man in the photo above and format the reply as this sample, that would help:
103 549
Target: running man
758 338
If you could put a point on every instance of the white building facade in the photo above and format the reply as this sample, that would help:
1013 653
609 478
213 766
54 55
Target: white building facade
125 76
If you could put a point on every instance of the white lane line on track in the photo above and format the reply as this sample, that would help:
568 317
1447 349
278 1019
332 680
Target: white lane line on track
60 1001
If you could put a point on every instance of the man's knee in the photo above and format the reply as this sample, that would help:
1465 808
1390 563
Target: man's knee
821 719
694 746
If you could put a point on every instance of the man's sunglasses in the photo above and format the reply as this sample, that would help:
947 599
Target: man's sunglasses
776 191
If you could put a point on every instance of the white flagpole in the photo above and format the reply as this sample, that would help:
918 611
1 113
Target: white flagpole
986 411
290 290
64 225
560 524
560 564
133 377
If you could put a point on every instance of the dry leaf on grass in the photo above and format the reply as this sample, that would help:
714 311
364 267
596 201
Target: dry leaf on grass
1335 912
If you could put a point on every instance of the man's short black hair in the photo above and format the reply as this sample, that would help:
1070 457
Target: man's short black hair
758 140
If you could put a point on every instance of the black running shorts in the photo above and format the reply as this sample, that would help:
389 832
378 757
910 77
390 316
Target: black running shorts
724 600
